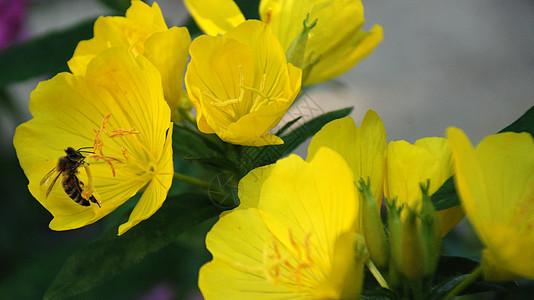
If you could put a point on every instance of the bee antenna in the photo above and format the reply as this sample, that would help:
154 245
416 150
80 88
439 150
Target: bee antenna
84 148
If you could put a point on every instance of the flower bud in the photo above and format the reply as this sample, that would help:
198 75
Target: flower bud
372 227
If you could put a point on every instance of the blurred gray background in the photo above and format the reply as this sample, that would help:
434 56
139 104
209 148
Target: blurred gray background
468 64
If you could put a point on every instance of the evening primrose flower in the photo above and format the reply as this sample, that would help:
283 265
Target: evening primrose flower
334 45
293 237
364 149
117 112
495 182
413 173
410 165
142 31
241 84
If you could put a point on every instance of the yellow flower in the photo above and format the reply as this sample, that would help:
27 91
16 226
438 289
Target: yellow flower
363 148
293 237
336 41
143 31
410 165
117 109
495 182
241 84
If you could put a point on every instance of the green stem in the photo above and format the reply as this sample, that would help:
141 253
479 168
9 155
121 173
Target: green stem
464 283
191 180
376 273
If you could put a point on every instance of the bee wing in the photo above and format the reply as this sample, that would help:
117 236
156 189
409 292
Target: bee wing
46 180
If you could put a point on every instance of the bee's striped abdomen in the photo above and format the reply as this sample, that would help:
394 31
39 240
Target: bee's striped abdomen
72 187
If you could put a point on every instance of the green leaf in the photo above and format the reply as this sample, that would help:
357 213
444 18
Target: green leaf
372 290
287 125
446 196
47 54
119 6
452 270
249 8
253 157
207 151
525 123
100 261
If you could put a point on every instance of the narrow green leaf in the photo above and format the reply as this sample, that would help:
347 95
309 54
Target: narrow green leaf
47 54
120 6
287 125
98 262
253 157
524 123
446 196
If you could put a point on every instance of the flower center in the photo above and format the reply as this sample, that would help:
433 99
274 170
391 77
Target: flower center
98 143
261 98
280 261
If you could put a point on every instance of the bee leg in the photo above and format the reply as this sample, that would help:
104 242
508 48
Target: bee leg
90 189
93 199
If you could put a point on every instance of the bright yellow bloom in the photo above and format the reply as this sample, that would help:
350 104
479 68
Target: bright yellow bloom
495 182
336 40
363 148
410 165
241 84
294 237
143 31
116 108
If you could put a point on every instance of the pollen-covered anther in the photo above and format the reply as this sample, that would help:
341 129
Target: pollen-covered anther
124 153
86 194
121 132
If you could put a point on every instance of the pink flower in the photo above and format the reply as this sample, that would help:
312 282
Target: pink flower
12 14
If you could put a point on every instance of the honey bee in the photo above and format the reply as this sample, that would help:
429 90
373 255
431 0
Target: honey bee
68 167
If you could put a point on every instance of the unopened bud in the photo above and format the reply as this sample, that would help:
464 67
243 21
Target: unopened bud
372 227
297 50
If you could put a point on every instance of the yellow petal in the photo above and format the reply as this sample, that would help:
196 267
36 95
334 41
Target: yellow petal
250 186
341 58
236 272
301 200
156 192
215 16
495 182
363 148
168 52
410 165
449 218
130 32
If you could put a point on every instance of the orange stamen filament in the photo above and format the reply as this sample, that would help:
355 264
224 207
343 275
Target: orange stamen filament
295 259
98 144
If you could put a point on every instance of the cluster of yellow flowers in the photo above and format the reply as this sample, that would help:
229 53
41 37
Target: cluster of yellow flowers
129 76
304 228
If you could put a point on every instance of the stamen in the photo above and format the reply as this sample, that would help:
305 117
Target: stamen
217 102
98 143
121 132
124 154
296 260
